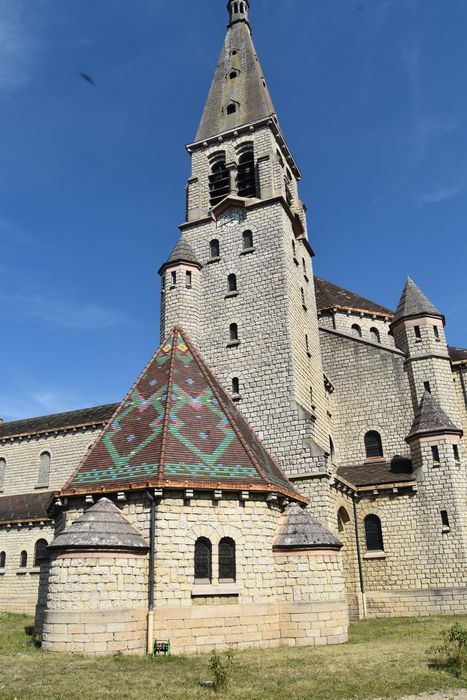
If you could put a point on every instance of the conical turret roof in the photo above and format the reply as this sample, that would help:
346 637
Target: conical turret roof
238 81
182 253
431 419
103 526
298 529
414 303
177 428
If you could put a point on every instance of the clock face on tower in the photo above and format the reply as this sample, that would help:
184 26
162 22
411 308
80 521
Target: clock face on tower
231 217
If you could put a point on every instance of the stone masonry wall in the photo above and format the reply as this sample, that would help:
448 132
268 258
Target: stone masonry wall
23 459
19 585
96 603
372 393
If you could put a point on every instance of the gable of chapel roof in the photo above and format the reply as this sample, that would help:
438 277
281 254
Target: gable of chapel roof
414 302
178 428
430 418
329 296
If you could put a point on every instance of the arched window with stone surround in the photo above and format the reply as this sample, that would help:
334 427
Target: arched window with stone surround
247 237
23 559
219 181
233 332
203 560
373 444
214 248
40 552
373 534
246 175
227 572
356 330
374 335
44 469
232 283
2 560
343 519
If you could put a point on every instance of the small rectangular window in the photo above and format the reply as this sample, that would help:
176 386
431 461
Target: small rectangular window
435 453
188 278
455 449
417 332
427 387
436 332
445 519
173 276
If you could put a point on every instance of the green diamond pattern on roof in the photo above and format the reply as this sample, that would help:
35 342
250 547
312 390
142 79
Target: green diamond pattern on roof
178 427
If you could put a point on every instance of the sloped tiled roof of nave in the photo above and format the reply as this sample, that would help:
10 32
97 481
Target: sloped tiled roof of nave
329 296
377 473
58 421
27 507
178 428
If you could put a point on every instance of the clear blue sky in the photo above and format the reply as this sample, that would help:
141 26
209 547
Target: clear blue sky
371 95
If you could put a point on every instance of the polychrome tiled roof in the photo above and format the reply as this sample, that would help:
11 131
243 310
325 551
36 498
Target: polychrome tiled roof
178 428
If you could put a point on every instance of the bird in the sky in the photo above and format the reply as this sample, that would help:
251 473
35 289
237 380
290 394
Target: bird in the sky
87 77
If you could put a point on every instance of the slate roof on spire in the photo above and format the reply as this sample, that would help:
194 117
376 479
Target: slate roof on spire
430 418
177 428
414 303
247 90
103 526
298 529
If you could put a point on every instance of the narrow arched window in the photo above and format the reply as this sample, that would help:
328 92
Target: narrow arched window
374 335
342 519
231 108
214 248
227 560
356 330
233 331
235 386
2 560
232 283
173 278
303 297
294 249
331 449
373 533
246 177
373 444
2 472
44 469
40 552
203 557
23 559
235 7
247 240
219 181
307 345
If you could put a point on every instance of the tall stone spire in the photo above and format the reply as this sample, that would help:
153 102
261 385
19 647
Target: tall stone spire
238 94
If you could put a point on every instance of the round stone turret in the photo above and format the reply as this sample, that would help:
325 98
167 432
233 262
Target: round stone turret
181 290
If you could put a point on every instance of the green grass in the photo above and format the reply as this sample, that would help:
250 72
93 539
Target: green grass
384 658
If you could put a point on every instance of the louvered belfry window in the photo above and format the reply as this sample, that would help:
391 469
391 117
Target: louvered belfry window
373 533
246 177
203 569
226 559
219 183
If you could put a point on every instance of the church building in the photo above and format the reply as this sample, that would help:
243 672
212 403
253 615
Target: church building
291 457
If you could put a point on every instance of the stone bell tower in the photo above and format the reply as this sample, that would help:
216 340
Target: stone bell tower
246 230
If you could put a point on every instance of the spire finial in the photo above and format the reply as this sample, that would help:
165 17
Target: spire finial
238 10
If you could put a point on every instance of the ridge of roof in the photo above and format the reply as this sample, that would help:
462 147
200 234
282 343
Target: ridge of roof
414 302
248 90
330 295
430 418
178 428
57 421
103 526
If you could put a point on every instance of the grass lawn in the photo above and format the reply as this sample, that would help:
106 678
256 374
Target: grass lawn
384 658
